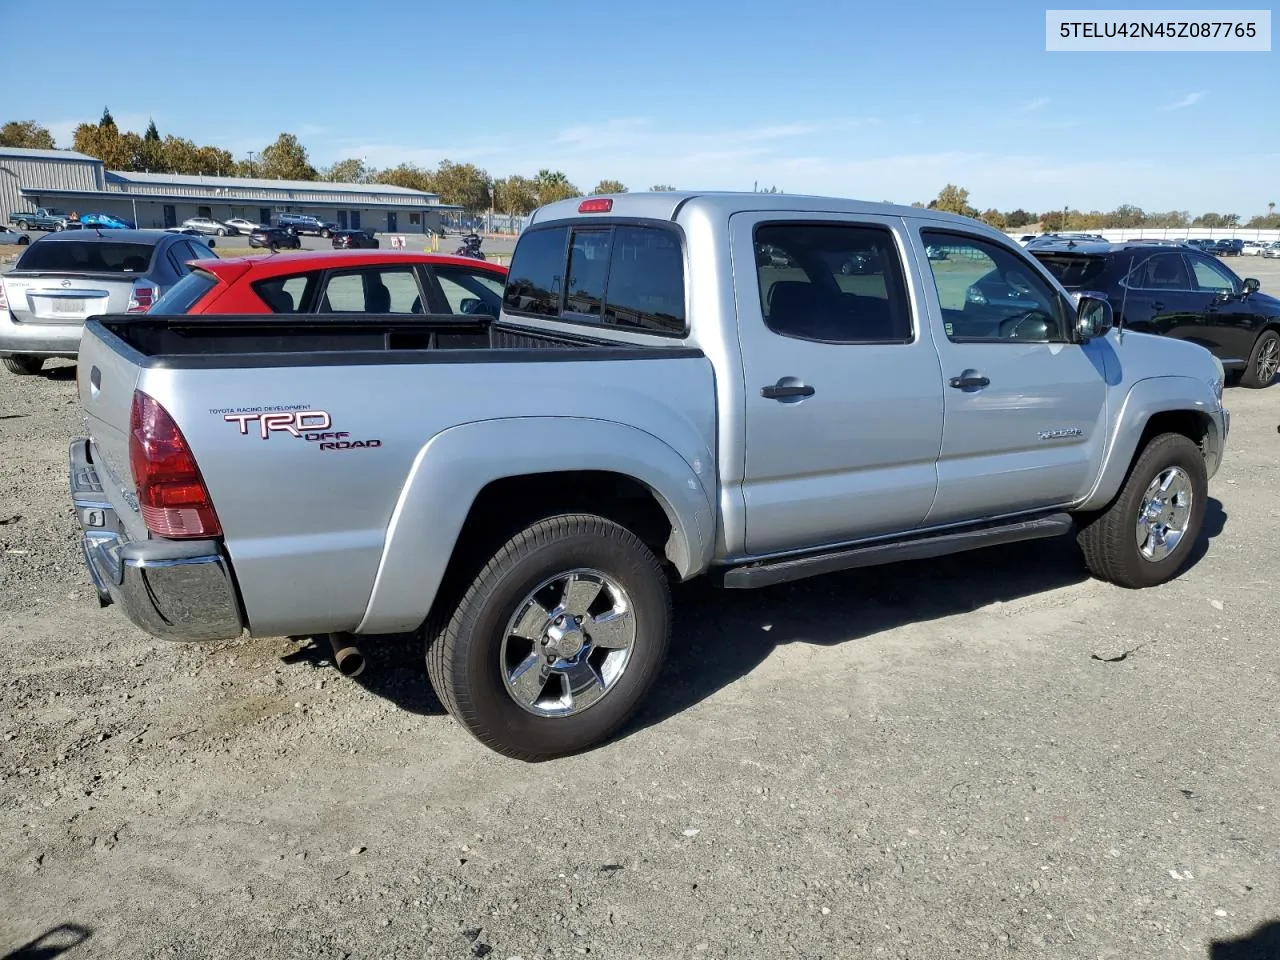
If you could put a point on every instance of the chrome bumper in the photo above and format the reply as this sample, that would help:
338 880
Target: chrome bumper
172 589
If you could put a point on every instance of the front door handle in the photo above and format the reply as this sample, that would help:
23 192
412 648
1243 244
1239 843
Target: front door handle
969 380
784 390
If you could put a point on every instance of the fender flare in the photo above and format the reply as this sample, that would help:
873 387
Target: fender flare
456 464
1146 399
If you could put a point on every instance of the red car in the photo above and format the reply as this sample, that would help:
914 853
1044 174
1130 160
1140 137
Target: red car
349 281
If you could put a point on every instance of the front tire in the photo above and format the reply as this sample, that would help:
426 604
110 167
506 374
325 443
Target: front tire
23 240
502 663
1263 362
325 234
24 366
22 225
1146 534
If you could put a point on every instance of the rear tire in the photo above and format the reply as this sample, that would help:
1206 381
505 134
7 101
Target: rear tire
22 225
24 366
23 240
1110 539
473 652
1263 362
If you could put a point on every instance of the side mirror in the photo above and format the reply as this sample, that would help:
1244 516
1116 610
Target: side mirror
1094 316
471 305
1251 285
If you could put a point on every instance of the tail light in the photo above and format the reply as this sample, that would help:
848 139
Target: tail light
172 494
142 296
4 298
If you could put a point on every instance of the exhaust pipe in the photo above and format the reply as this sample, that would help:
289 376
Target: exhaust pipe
346 655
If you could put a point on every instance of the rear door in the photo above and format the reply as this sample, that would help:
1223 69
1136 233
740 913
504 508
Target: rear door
1158 295
1025 406
469 290
843 406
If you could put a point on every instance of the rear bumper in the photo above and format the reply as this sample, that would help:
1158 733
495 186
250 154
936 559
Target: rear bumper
172 589
38 339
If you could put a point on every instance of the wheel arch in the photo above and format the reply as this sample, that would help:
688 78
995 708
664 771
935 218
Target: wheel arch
462 495
1158 405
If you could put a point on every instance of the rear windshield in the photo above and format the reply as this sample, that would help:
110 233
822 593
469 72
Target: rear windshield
1073 270
109 256
620 275
186 293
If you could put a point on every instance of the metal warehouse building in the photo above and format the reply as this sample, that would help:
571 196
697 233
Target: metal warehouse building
75 182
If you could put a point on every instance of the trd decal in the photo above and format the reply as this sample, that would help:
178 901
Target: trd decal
311 426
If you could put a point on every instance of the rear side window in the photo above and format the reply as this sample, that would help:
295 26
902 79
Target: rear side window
185 294
1163 271
88 256
533 281
626 276
286 294
835 283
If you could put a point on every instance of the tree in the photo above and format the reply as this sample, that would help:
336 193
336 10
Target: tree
286 159
351 170
610 186
662 188
1126 215
1054 221
464 184
117 151
26 134
1216 220
152 135
1270 221
515 195
953 199
553 185
1019 218
407 175
994 218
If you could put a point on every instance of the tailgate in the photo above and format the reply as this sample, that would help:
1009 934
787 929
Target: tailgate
106 380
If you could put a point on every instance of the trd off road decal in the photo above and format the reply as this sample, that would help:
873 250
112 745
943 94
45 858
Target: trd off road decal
312 426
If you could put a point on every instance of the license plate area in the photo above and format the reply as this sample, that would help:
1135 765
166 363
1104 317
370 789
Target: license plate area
68 305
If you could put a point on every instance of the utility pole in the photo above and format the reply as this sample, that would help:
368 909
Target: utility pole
251 170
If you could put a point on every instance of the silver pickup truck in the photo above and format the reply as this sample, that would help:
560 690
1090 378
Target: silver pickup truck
755 387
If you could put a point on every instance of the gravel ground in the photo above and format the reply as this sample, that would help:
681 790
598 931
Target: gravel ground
990 755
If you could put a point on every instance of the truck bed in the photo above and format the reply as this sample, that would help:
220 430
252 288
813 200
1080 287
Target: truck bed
253 340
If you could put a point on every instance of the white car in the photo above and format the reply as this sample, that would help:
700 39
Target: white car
243 225
8 236
1253 248
1272 251
207 225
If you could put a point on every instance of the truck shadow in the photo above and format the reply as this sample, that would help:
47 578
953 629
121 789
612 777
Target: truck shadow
1262 944
723 635
51 943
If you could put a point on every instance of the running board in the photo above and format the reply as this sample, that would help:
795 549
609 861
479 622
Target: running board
768 572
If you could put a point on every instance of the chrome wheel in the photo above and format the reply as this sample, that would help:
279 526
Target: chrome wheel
1164 513
568 644
1269 360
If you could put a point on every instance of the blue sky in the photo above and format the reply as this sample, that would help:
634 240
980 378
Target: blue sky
882 102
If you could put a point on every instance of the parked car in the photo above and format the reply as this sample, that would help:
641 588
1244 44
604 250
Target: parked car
354 239
13 238
207 225
1227 247
244 226
301 223
390 282
526 495
1272 250
191 232
1253 248
106 222
274 238
1186 294
41 218
67 277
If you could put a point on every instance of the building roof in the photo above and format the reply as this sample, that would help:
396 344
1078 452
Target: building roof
45 154
257 183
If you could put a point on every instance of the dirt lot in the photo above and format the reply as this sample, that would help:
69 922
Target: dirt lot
987 756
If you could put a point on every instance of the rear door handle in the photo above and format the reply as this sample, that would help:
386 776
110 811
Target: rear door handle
969 380
786 391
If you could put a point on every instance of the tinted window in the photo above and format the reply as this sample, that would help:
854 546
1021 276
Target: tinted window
646 281
88 256
533 281
389 290
1073 270
185 294
470 291
286 294
989 293
1211 276
1163 271
836 283
588 270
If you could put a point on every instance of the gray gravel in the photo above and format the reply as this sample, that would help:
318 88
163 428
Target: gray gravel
986 756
